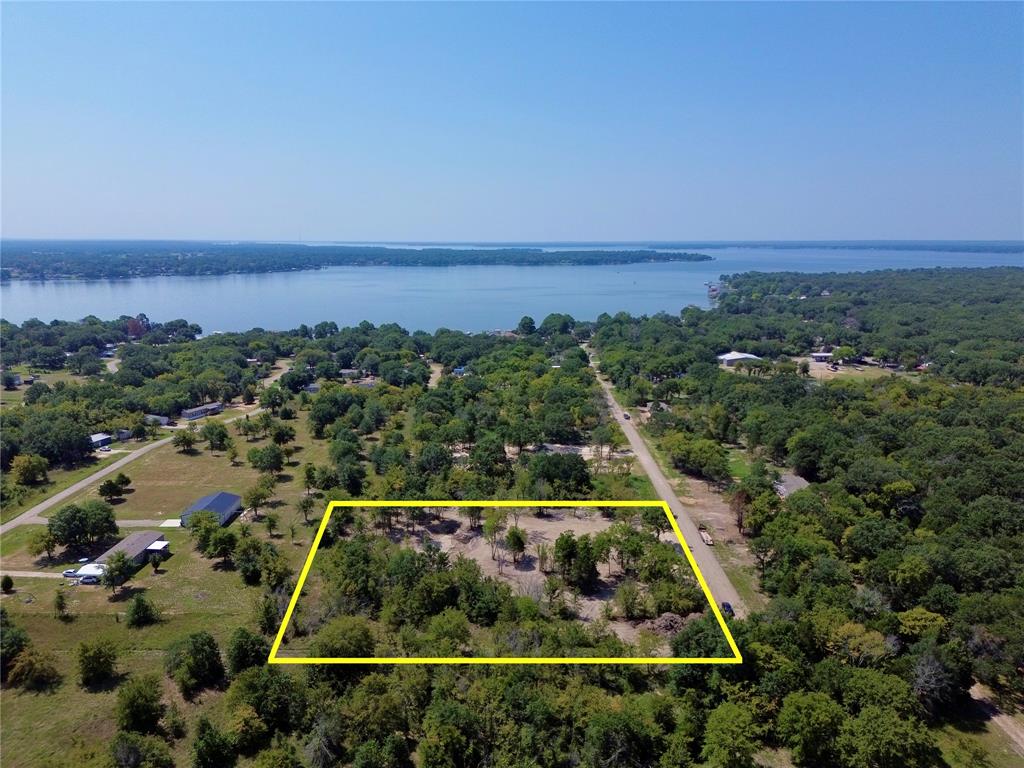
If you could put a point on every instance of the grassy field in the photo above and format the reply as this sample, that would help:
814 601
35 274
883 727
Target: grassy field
71 725
739 463
17 396
165 482
975 743
59 479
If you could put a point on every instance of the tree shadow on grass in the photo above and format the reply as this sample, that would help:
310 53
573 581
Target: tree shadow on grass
125 593
106 685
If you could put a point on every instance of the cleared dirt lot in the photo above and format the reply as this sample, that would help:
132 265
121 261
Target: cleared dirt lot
454 535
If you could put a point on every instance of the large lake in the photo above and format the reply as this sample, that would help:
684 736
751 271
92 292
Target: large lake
471 298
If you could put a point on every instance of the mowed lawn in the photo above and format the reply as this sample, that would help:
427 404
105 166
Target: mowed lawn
72 725
165 482
57 481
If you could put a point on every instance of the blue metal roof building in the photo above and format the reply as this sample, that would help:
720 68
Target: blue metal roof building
223 504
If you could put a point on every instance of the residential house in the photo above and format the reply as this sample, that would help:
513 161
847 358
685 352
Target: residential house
137 547
191 414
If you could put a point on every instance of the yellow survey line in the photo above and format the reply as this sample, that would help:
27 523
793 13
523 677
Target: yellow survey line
736 658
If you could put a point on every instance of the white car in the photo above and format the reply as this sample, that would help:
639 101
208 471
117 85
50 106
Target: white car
69 573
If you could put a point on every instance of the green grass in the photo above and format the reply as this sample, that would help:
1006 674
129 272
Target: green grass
17 396
16 540
59 479
165 482
72 726
743 579
739 463
976 744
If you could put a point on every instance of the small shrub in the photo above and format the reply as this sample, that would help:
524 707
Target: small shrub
266 615
34 671
134 750
246 649
138 705
174 722
96 662
282 756
211 748
7 584
13 640
248 732
194 663
141 612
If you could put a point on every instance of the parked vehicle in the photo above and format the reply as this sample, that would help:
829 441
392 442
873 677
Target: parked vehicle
626 416
69 573
705 536
89 580
727 609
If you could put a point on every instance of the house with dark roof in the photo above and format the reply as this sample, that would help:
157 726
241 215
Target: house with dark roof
136 546
223 504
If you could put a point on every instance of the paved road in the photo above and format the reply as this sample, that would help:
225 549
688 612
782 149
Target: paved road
33 514
714 575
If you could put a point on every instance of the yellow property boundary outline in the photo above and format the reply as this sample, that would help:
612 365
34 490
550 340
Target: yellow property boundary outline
736 658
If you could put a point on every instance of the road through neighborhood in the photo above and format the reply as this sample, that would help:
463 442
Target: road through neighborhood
714 575
33 514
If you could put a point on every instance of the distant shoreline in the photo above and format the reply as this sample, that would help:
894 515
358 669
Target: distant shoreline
105 260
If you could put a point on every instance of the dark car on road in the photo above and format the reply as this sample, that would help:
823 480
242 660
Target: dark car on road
727 609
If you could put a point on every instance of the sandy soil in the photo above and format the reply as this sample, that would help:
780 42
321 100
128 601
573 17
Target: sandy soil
453 535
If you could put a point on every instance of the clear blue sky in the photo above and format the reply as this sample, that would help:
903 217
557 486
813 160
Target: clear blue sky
513 122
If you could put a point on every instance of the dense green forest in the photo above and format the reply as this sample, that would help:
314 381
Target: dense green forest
41 260
894 580
963 323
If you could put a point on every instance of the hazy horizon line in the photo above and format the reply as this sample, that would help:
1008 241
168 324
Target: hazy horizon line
482 242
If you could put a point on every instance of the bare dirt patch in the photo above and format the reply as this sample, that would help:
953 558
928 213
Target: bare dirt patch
454 535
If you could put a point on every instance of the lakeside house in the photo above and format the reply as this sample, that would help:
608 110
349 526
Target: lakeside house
137 546
155 418
821 357
191 414
729 359
224 505
100 440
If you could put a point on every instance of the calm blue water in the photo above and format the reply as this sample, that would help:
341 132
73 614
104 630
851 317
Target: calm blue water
470 298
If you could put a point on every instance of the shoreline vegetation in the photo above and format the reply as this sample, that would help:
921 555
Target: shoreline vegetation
99 260
41 260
